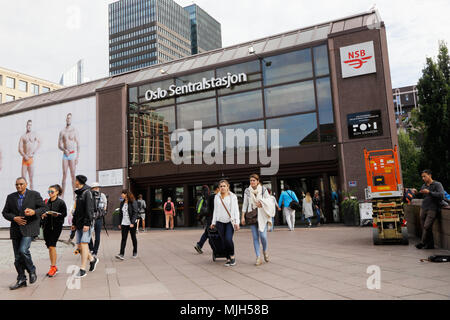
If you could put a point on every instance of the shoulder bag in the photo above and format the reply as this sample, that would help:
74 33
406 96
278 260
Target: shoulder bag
221 200
294 205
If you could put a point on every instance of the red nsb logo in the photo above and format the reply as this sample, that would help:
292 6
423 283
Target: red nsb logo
357 58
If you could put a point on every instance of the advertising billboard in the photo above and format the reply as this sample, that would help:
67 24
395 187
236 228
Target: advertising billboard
48 146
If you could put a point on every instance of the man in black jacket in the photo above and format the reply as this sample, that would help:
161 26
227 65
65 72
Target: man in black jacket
82 222
208 218
23 209
432 193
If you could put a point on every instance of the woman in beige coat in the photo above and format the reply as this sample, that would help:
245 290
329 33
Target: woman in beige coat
307 208
256 197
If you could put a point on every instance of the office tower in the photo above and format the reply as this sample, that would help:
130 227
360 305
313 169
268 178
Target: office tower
206 32
147 32
74 75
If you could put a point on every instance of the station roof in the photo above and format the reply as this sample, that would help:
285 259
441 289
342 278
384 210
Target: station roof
262 46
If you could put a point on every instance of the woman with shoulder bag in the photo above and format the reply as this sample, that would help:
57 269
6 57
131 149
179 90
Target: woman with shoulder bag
257 211
128 216
226 219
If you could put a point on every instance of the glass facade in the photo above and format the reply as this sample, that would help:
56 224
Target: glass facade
146 32
290 92
206 32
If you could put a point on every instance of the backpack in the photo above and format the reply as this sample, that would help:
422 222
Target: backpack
202 207
437 259
168 206
99 205
139 204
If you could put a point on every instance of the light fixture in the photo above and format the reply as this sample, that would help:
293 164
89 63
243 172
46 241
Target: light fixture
251 50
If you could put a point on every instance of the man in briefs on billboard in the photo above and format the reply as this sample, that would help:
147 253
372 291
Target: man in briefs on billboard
69 144
28 146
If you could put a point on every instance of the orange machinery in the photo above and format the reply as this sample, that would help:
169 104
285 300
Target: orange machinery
385 192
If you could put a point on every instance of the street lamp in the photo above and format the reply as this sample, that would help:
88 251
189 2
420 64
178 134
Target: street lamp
162 71
252 50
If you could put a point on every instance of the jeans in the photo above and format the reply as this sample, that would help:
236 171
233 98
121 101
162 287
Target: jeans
204 236
427 217
93 247
290 217
257 235
22 255
318 215
226 232
123 244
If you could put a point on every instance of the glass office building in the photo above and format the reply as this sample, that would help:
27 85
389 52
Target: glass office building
206 32
146 32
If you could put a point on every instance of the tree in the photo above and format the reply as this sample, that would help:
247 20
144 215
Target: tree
410 157
434 114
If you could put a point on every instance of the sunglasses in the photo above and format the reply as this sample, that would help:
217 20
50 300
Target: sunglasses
20 184
51 192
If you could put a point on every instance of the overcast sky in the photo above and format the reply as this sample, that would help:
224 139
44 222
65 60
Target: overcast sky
44 38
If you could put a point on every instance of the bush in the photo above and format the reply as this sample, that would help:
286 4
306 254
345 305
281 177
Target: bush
350 210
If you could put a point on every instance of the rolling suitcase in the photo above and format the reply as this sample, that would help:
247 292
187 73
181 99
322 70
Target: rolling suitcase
216 243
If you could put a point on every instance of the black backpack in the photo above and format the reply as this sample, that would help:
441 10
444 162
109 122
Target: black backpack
98 211
202 207
168 206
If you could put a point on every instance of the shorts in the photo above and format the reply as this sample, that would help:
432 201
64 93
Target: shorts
83 237
70 157
142 216
51 236
28 162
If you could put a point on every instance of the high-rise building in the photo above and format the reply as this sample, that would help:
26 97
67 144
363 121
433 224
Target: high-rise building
15 85
147 32
206 32
74 75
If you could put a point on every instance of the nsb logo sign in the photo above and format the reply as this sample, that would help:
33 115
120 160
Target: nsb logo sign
358 60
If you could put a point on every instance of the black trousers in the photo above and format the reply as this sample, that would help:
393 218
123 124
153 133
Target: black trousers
23 261
427 217
93 246
125 231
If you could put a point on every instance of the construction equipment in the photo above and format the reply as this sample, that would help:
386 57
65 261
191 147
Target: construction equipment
385 192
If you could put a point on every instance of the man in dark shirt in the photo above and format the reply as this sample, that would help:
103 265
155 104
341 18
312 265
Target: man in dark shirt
208 219
432 193
23 209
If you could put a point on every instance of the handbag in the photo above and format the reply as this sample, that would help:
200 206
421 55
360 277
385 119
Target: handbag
227 212
294 205
251 217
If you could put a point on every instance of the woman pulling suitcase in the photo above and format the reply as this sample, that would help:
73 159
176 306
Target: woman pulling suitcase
226 219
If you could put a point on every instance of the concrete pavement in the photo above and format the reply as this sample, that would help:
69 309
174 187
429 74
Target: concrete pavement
326 263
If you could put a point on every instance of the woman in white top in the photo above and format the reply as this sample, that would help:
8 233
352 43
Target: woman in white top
226 219
256 197
307 207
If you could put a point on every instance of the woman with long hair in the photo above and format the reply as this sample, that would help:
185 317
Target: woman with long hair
257 210
53 220
307 208
128 216
226 219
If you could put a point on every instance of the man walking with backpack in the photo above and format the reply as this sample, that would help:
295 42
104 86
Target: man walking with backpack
82 221
205 209
169 210
289 199
100 207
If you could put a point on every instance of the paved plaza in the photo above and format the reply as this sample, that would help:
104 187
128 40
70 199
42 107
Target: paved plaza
326 263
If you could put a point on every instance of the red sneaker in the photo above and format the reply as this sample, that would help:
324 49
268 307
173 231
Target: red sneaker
53 271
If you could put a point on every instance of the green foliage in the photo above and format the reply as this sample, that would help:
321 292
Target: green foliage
350 209
410 157
433 118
